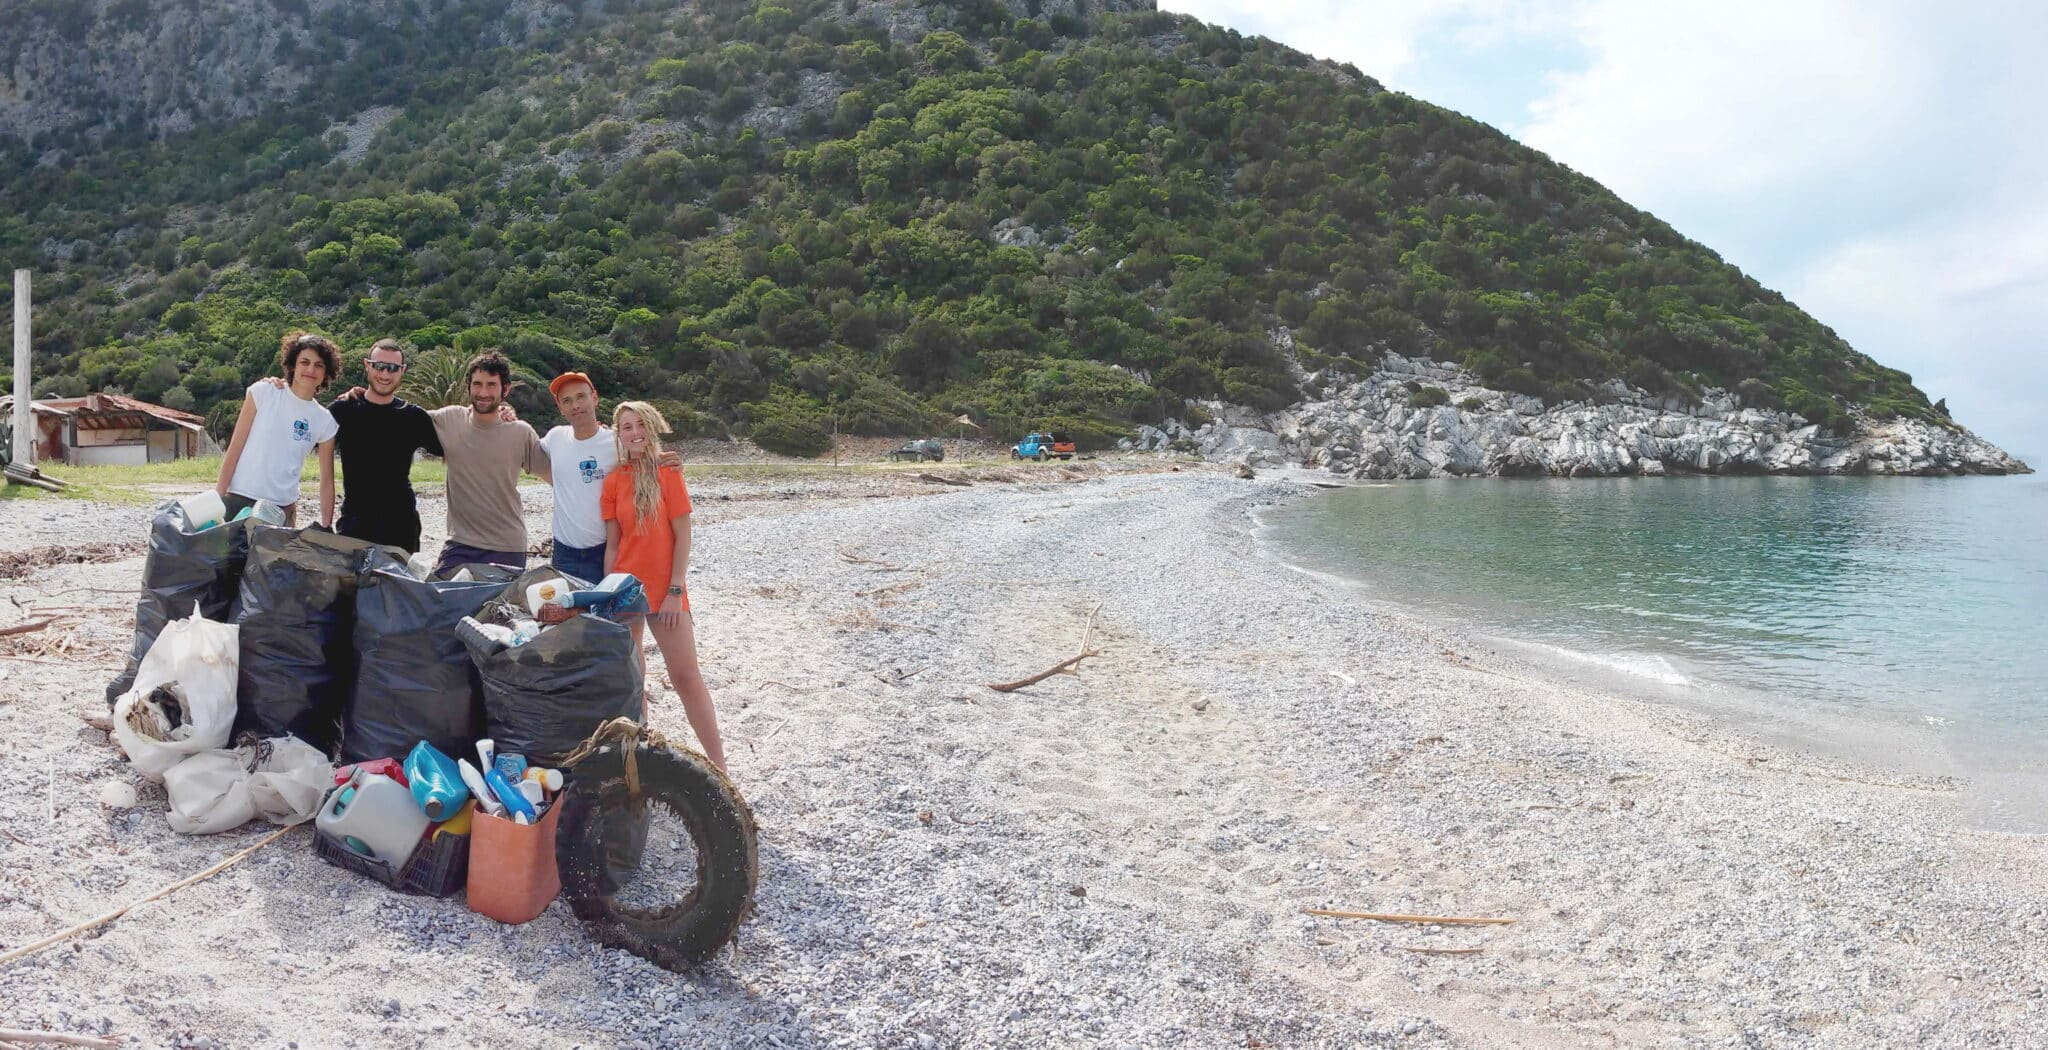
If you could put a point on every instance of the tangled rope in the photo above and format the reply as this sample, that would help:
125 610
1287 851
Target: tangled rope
631 736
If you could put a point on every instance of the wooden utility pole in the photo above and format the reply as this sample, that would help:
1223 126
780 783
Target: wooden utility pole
24 413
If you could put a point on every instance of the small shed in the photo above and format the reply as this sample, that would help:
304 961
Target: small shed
102 429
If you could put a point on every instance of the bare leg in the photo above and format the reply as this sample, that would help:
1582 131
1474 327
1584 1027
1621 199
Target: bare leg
679 651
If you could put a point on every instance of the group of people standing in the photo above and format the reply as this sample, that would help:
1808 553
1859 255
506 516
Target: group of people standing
620 502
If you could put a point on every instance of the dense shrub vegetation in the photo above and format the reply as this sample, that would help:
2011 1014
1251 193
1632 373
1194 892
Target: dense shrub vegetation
776 220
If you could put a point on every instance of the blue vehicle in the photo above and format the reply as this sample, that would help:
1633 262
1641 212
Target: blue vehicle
1044 445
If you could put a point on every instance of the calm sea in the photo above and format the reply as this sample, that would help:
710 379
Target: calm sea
1836 605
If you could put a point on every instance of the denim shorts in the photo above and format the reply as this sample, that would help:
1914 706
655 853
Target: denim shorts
584 563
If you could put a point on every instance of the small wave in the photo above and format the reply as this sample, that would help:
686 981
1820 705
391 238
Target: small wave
1640 665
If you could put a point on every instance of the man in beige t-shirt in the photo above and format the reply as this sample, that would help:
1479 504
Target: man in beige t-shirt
485 455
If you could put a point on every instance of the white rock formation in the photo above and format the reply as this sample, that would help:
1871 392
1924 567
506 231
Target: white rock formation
1368 429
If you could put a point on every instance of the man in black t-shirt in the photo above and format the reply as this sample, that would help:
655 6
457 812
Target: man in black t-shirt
379 433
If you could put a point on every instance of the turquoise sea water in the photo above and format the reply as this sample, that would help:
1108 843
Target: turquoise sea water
1900 600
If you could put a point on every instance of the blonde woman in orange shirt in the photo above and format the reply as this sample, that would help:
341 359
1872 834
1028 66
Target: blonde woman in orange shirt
646 510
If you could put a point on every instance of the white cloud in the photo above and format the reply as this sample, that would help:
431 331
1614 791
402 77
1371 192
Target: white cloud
1729 98
1956 302
1380 37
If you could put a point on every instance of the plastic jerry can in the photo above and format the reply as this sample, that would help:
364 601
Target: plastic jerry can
374 815
512 874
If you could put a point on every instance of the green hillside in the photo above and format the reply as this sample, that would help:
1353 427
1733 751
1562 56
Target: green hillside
775 217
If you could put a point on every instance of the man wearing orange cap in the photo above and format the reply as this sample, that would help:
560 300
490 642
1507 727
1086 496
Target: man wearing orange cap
581 452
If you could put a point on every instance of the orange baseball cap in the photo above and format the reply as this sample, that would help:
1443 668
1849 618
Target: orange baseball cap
560 381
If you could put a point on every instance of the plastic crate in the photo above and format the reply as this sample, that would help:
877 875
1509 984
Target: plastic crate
439 867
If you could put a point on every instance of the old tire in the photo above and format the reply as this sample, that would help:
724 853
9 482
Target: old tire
596 811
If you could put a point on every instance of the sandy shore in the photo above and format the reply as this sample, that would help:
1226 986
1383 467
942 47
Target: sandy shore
1118 857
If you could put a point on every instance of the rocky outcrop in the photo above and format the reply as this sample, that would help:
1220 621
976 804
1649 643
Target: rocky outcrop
105 64
1386 427
102 64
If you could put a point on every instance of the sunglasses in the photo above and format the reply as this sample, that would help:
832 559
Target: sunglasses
384 366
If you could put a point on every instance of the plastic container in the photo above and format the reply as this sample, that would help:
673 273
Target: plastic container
435 781
375 815
540 592
478 789
264 511
203 510
509 796
439 866
512 874
510 764
387 766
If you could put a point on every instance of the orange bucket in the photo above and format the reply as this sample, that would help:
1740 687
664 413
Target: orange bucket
512 876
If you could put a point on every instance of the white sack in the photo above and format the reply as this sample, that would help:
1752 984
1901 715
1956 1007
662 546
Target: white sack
288 786
198 656
281 780
210 792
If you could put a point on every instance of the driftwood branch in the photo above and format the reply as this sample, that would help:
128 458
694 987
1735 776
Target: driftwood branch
940 479
11 1035
24 628
62 935
1067 665
1442 951
1443 920
848 556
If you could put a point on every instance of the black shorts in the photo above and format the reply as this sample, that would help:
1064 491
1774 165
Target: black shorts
393 528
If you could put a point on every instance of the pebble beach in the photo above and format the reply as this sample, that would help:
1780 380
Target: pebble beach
1122 856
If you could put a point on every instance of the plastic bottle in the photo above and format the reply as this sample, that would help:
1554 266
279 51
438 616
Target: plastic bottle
512 765
203 510
479 789
509 796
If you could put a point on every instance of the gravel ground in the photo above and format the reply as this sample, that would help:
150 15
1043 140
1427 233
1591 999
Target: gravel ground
1118 857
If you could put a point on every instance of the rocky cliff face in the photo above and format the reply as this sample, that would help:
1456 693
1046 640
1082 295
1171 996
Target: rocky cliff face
164 67
105 64
1381 427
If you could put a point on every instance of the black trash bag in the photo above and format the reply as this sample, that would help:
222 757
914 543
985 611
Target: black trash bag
414 678
481 572
296 610
543 698
184 571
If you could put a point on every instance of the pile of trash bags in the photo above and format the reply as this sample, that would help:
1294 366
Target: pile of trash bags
263 651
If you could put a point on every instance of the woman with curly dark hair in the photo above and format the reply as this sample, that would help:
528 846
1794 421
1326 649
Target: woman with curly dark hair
278 427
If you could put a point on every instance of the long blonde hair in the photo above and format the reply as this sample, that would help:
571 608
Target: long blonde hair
647 469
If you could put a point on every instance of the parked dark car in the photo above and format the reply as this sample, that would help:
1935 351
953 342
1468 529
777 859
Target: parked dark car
928 450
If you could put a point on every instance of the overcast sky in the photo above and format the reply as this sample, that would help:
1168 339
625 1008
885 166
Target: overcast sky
1880 162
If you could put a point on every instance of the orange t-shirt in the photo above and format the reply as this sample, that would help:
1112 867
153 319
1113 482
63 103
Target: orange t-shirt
647 552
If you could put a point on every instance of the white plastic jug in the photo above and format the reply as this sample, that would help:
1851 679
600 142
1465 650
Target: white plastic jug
375 815
203 510
553 589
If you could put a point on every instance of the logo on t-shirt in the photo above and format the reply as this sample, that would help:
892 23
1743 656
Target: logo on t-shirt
302 430
588 468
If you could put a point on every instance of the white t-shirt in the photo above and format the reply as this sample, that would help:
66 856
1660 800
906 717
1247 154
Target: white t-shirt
579 468
286 431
